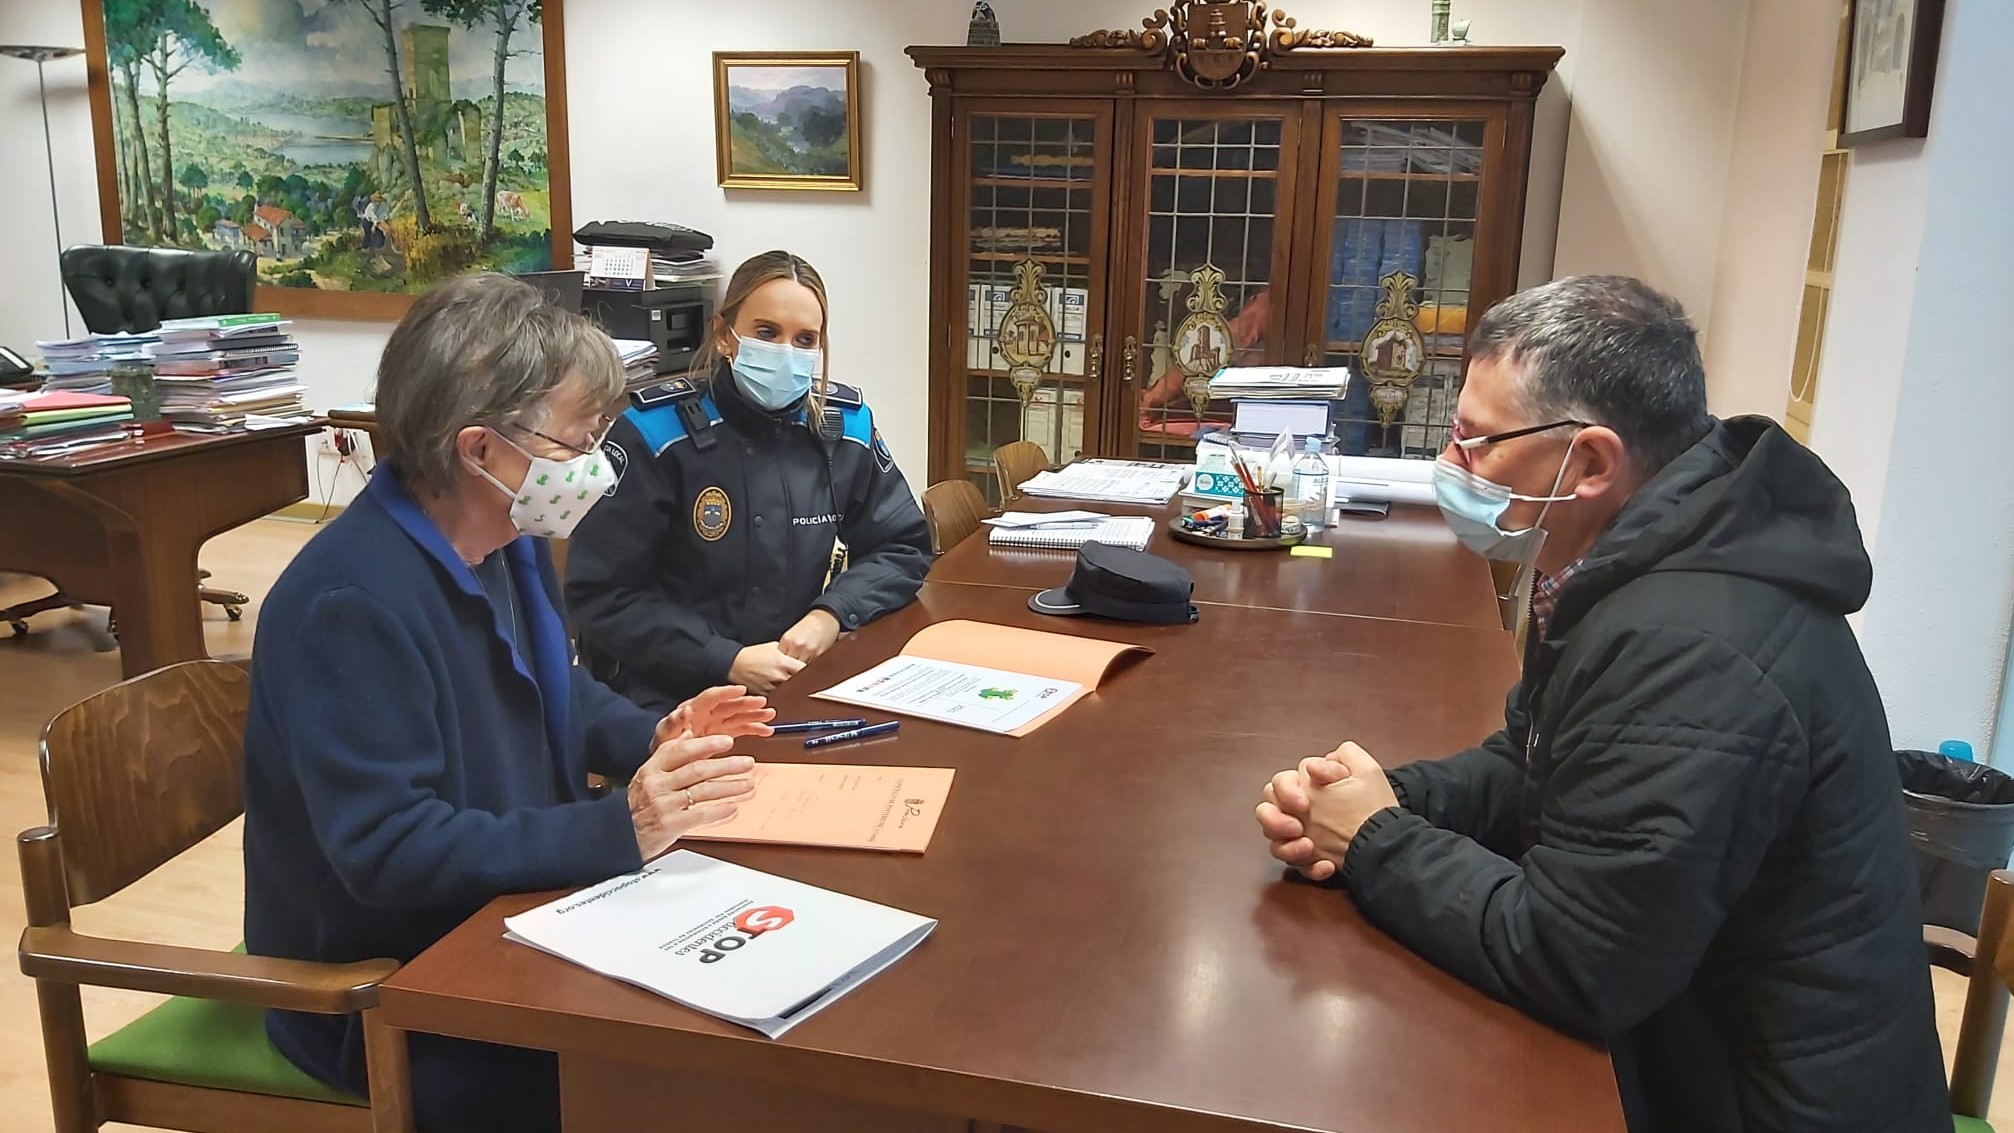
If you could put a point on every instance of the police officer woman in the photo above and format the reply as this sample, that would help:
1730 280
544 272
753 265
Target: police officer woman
708 561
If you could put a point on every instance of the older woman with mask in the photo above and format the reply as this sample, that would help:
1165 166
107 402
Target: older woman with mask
420 739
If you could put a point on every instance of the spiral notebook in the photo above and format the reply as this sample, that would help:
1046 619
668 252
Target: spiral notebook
1120 531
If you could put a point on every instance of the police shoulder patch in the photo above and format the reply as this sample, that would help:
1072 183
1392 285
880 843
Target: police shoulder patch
883 459
712 514
618 461
677 389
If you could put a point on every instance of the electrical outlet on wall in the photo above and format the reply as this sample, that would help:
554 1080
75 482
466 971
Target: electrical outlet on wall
339 443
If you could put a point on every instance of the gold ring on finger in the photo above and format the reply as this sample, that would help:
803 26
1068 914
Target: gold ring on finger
689 804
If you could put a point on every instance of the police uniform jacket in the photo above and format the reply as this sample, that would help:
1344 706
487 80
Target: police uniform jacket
719 534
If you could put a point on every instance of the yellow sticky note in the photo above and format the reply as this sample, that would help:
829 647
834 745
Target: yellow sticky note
1306 551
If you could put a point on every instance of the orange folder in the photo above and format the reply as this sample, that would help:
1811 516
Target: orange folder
1084 661
844 806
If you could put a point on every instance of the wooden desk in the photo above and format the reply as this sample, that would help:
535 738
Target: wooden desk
120 525
1116 952
1405 566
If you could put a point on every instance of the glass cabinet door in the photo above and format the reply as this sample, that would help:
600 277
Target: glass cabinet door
1036 191
1402 199
1205 274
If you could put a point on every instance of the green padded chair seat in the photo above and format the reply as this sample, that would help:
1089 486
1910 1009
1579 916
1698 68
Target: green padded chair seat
1969 1125
209 1043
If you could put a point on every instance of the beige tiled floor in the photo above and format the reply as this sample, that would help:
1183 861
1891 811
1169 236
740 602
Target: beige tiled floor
197 900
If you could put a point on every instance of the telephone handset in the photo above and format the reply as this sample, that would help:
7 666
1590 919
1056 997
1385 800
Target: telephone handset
12 365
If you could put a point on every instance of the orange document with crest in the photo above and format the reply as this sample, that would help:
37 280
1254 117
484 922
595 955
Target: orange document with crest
994 678
846 806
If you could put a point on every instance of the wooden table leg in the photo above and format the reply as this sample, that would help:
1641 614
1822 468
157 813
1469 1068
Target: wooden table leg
160 615
598 1096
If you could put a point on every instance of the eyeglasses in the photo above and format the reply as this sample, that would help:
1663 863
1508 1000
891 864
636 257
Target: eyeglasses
1467 444
602 425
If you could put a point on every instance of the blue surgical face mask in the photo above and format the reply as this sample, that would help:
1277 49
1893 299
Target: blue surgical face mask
773 375
1473 507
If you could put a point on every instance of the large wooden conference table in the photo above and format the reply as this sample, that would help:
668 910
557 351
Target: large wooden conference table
1116 953
1404 566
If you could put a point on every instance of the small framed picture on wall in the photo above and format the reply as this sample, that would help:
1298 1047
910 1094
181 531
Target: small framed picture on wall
787 119
1891 65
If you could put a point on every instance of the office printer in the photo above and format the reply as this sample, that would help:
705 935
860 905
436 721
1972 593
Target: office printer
673 313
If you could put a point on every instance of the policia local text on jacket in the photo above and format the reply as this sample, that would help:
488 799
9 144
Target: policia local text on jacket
1688 838
719 533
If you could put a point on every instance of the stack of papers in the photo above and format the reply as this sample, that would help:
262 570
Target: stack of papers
639 359
1110 481
1281 382
694 270
48 424
663 268
84 365
751 948
216 373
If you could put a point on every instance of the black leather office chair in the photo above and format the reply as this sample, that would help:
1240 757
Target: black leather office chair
122 288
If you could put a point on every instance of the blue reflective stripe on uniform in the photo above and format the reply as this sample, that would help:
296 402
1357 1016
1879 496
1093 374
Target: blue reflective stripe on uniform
857 425
661 426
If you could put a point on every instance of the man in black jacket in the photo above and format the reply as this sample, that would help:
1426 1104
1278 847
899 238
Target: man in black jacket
1687 839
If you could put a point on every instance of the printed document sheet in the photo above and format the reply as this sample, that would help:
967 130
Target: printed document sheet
991 700
995 678
748 947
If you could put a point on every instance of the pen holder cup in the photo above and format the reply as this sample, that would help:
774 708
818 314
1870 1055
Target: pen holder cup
1263 512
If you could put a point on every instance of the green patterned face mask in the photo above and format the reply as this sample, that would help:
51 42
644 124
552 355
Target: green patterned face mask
555 493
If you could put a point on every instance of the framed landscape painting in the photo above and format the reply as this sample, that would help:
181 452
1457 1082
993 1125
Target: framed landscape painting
787 120
362 149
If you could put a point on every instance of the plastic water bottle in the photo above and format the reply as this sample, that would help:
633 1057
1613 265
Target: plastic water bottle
1311 487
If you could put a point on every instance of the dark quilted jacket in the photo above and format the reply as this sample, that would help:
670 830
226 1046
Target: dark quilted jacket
1688 839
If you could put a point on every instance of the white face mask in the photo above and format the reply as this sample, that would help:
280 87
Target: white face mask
556 493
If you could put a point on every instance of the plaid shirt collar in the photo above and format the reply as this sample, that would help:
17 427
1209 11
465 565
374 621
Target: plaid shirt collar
1545 594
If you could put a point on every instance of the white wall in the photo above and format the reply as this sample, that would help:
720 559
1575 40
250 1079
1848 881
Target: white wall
1647 161
1772 180
1647 97
1914 388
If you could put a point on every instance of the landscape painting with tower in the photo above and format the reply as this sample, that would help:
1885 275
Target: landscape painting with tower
361 146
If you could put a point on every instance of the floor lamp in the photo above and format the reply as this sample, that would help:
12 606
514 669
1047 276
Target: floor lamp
39 56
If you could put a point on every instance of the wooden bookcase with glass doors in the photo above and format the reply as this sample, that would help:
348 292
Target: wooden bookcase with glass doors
1112 221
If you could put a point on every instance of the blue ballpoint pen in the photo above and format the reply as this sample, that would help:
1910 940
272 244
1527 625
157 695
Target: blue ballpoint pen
856 734
815 726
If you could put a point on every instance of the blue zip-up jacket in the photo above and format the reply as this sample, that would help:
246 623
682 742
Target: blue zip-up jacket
404 764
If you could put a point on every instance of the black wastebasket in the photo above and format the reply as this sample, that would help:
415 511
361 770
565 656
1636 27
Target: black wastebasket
1961 827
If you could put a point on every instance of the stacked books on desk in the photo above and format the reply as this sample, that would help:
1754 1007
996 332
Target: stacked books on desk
84 365
215 373
50 424
1290 383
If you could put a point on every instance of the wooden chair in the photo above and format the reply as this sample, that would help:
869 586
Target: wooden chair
133 776
953 510
1015 464
1988 966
